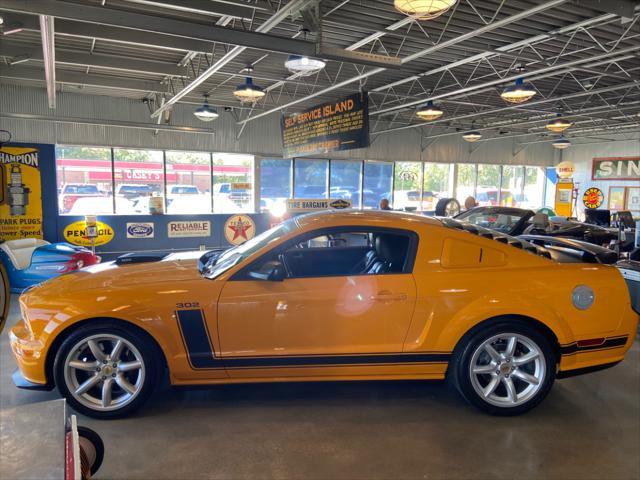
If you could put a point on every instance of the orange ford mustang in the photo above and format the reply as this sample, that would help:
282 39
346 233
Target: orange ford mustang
328 296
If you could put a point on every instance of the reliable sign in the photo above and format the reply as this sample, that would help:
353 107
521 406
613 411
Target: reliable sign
619 168
329 127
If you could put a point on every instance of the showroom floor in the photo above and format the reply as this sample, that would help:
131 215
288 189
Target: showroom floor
588 428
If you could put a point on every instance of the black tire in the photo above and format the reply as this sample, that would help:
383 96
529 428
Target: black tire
93 447
150 358
460 367
447 207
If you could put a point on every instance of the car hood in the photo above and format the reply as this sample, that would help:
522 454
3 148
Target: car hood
109 277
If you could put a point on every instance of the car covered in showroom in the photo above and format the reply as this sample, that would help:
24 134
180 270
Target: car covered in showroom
30 261
346 295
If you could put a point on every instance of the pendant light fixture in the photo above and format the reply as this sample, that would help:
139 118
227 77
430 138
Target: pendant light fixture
558 125
519 92
205 113
561 143
304 66
247 92
424 9
472 136
429 112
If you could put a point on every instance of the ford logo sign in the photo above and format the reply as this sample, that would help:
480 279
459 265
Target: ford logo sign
140 230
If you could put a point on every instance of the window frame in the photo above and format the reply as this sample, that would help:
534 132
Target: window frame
407 269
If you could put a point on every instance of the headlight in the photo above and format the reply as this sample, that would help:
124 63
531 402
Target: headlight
583 297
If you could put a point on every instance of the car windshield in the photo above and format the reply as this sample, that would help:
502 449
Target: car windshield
500 221
220 264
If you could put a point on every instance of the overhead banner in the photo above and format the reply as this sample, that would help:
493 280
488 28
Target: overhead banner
306 205
21 195
618 168
329 127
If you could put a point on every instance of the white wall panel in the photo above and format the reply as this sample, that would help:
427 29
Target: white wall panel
259 137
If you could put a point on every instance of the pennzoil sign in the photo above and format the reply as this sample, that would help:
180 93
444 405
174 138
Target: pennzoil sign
76 234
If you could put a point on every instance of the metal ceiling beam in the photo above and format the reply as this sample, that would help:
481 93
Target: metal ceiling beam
106 123
269 24
496 111
624 8
203 7
139 23
68 57
80 78
47 36
538 74
442 45
149 23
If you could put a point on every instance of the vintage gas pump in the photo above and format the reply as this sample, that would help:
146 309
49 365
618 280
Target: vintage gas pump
565 189
18 193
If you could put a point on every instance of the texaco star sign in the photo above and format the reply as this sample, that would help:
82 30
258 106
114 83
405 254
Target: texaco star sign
238 229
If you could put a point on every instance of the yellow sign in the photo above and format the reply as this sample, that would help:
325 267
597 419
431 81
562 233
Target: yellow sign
240 186
76 233
564 199
592 198
21 197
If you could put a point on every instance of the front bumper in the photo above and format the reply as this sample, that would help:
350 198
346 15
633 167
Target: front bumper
21 382
29 354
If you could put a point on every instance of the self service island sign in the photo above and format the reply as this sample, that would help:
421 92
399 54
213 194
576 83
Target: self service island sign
329 127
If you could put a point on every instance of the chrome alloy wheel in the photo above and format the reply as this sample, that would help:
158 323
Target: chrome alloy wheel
104 372
507 370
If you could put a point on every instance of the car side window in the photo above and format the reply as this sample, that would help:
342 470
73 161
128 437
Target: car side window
344 252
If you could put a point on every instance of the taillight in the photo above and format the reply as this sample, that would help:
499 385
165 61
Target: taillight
69 200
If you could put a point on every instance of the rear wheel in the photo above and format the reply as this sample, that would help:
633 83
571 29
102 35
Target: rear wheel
447 207
504 369
106 371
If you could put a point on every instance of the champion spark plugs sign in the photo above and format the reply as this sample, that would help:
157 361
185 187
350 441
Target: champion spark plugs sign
21 197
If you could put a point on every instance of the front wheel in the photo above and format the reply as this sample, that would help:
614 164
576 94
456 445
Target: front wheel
106 370
504 369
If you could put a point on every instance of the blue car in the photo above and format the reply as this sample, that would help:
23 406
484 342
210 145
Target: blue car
30 261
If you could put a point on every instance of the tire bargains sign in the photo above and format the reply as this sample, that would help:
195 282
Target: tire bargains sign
76 234
21 193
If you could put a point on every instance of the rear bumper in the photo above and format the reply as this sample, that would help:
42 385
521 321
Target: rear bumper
21 382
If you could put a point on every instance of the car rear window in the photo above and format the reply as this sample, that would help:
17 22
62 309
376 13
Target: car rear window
81 189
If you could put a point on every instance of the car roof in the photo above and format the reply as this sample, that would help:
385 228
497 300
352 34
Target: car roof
374 216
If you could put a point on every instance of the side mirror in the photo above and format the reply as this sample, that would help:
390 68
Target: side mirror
272 271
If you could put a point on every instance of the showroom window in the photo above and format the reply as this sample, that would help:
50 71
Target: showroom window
232 183
511 192
275 185
310 178
377 183
407 186
467 174
344 181
534 185
139 180
488 188
84 180
188 182
437 184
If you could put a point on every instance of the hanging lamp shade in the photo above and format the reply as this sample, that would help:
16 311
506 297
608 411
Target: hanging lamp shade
424 9
519 92
558 125
429 112
561 143
248 92
205 113
472 136
303 65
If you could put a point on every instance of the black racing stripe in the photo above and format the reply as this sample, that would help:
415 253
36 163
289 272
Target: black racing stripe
202 355
196 338
338 360
613 342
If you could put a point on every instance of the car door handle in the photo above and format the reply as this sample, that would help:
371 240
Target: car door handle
387 296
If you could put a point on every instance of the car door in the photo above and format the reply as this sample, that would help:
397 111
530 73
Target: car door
324 318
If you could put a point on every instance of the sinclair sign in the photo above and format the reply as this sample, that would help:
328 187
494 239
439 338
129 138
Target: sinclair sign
616 168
